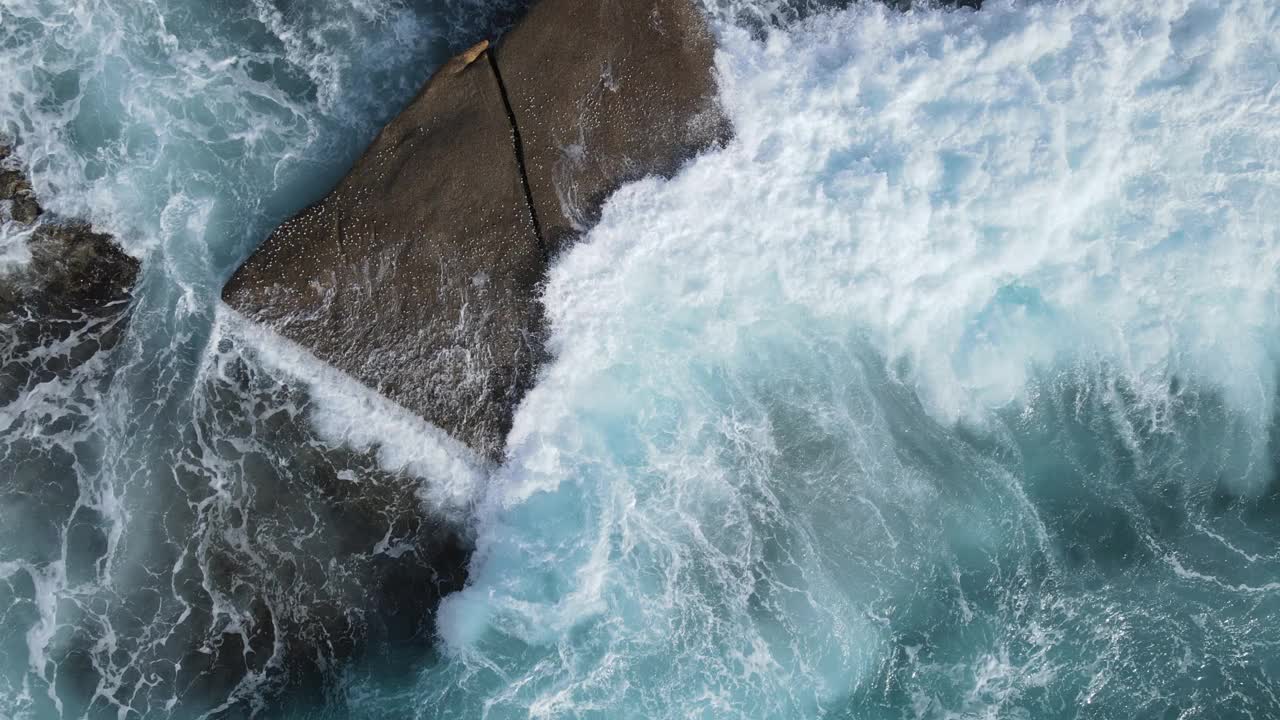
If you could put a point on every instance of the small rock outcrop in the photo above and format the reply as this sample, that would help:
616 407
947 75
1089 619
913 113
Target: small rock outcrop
418 274
76 285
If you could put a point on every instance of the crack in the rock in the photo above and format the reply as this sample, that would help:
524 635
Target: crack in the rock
519 151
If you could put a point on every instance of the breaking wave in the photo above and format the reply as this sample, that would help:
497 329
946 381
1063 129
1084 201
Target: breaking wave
946 389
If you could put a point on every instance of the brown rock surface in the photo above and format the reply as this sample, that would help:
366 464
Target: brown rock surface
416 275
605 92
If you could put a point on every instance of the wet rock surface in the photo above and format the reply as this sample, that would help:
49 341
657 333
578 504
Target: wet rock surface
605 92
254 556
418 275
71 298
15 188
262 557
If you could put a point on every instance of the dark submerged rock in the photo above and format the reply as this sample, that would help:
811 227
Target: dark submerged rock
418 274
73 270
308 561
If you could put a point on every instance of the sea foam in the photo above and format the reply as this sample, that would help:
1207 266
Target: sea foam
759 439
345 413
944 390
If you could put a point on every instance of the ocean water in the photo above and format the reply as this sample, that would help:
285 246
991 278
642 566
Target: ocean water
945 390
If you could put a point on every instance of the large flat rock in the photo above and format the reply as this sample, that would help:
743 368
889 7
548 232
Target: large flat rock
416 275
606 92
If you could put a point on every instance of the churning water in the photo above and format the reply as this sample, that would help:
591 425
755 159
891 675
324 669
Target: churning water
945 390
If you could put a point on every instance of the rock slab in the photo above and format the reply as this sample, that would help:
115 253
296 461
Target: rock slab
418 275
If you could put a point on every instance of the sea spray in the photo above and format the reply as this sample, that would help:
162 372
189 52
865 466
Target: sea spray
945 390
142 533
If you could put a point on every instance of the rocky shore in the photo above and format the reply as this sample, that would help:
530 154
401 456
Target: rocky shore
75 286
418 275
262 564
271 569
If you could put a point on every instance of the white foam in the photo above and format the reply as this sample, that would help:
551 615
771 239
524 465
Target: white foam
346 412
980 194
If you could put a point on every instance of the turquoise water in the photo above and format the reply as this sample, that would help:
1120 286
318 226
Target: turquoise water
946 390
